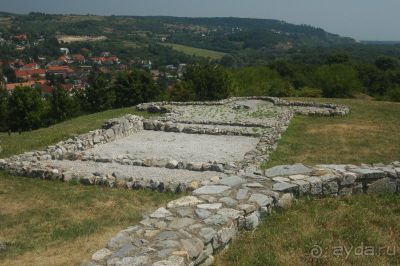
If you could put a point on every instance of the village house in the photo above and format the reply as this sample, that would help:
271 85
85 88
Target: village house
64 71
30 66
30 74
11 86
78 58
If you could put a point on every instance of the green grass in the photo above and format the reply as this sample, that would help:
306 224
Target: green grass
369 134
39 139
55 223
195 51
288 237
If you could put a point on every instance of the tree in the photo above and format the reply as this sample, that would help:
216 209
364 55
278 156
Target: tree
182 92
9 73
385 63
254 81
337 59
63 106
134 87
98 96
337 81
3 109
209 82
26 109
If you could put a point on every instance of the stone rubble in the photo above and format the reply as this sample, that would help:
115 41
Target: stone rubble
195 228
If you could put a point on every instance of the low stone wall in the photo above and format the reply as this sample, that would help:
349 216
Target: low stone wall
188 128
112 130
190 230
331 109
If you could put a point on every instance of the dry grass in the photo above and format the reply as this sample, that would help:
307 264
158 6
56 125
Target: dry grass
369 134
5 22
40 138
54 223
288 237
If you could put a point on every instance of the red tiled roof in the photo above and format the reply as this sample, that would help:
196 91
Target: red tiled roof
12 86
46 88
60 69
29 72
67 87
21 37
79 57
31 65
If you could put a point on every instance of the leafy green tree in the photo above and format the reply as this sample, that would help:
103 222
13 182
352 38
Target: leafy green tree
257 81
98 96
134 87
182 92
376 82
209 82
394 93
26 109
337 81
9 73
386 63
63 106
337 59
3 109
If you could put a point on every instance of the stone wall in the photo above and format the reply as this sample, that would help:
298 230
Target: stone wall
331 109
192 229
71 148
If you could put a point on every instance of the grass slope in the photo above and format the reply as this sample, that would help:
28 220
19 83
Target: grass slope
356 223
38 139
369 134
55 223
195 51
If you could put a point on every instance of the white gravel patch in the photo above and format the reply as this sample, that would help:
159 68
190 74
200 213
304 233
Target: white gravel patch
86 168
178 146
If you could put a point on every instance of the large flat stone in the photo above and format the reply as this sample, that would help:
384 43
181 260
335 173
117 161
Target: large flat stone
180 223
184 202
210 190
368 173
232 181
286 170
284 187
160 213
261 199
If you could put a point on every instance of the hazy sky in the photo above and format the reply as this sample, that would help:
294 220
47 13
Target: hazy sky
360 19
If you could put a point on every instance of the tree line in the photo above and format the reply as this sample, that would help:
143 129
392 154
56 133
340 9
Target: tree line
26 108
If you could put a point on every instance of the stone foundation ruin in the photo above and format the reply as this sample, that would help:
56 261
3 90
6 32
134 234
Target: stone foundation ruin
212 149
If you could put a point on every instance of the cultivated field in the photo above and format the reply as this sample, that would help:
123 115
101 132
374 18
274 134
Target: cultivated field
195 51
75 38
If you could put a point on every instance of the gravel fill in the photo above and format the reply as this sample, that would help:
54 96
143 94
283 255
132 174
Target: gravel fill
86 168
178 146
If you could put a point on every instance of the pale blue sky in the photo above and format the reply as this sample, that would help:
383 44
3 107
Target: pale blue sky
360 19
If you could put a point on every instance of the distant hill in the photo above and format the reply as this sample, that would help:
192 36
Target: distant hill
234 41
219 34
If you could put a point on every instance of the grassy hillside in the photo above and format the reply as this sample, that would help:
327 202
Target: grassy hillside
362 222
55 223
369 134
38 139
